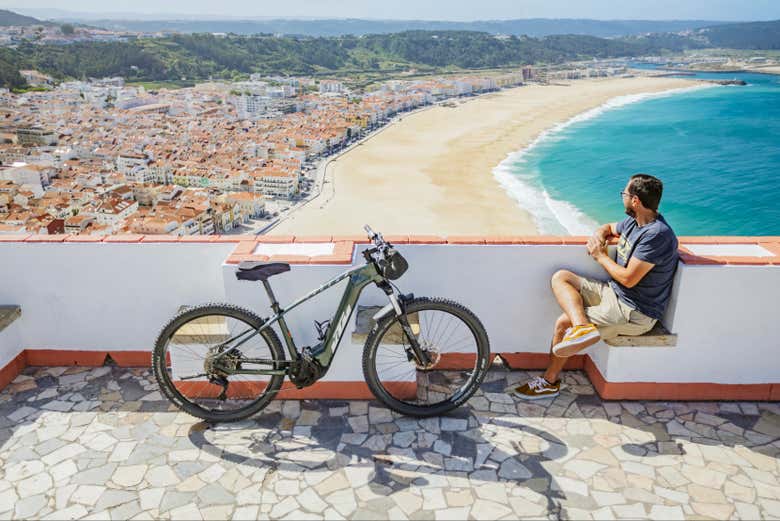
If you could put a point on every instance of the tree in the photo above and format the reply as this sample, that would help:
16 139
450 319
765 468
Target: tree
67 29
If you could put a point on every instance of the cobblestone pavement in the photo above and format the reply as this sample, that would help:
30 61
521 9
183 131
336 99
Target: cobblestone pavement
99 443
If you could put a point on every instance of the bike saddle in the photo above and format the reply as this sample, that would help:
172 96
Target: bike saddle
249 270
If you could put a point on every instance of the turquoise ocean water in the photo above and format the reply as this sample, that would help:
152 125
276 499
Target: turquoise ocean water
717 150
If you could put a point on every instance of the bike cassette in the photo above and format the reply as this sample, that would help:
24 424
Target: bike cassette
224 365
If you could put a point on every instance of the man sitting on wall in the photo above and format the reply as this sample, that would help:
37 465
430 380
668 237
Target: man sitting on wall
631 302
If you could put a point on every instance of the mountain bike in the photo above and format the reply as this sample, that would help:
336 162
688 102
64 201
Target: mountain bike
422 357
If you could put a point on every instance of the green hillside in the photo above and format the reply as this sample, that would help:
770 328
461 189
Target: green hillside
750 35
200 56
10 18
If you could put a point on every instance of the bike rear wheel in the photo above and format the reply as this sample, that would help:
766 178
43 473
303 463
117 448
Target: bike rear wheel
186 377
457 344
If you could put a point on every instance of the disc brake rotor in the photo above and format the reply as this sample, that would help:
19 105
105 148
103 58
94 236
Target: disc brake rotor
434 355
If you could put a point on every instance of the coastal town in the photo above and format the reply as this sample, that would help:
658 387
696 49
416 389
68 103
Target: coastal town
106 156
102 157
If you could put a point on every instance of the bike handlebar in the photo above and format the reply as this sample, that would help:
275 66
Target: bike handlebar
375 237
369 231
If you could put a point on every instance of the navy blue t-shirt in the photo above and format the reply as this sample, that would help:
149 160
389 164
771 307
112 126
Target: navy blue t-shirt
655 243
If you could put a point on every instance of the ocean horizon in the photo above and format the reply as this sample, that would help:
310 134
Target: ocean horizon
716 148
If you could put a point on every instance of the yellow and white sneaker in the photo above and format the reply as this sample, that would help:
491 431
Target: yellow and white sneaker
576 339
537 389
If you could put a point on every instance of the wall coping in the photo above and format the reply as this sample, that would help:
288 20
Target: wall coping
345 244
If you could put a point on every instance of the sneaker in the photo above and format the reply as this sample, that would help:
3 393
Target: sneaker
576 339
537 389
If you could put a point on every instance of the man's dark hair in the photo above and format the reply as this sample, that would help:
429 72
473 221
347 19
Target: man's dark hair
648 189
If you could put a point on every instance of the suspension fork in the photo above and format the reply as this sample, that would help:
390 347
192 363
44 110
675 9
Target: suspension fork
414 351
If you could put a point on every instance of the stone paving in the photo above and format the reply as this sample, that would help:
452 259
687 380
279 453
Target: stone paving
78 443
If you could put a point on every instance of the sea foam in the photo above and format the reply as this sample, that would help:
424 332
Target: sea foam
553 216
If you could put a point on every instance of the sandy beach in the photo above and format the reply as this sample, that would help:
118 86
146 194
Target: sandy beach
772 69
431 172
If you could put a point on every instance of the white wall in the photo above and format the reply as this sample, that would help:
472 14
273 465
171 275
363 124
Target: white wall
105 295
117 296
725 321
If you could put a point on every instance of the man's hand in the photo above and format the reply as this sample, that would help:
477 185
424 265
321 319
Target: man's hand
597 247
605 232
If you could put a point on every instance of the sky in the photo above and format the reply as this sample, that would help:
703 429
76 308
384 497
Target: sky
460 10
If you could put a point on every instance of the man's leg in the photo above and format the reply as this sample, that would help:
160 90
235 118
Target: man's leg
547 386
557 362
566 288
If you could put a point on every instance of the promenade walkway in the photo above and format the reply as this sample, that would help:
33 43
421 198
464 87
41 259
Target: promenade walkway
101 442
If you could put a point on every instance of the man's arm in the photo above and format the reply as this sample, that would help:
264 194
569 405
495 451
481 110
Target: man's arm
628 276
605 232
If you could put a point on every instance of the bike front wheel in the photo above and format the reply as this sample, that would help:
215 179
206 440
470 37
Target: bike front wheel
457 346
183 366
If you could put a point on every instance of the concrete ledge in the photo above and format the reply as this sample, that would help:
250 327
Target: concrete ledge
656 337
8 314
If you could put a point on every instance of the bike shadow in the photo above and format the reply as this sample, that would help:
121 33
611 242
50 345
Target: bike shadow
465 449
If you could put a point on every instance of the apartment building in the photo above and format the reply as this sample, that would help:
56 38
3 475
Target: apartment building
250 106
331 87
127 161
276 183
35 136
112 212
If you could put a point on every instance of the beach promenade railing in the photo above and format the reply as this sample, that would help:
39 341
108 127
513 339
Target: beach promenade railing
86 298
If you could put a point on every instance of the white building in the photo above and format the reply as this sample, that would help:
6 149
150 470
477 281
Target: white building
331 86
140 174
128 161
250 106
276 184
280 91
114 211
35 136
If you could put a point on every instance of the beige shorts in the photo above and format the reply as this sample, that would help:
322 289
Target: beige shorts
611 315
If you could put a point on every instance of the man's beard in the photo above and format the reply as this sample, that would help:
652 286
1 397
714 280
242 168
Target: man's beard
630 212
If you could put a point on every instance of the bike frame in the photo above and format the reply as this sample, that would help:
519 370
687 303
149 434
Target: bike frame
324 352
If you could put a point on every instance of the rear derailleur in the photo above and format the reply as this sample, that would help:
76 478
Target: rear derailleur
218 370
